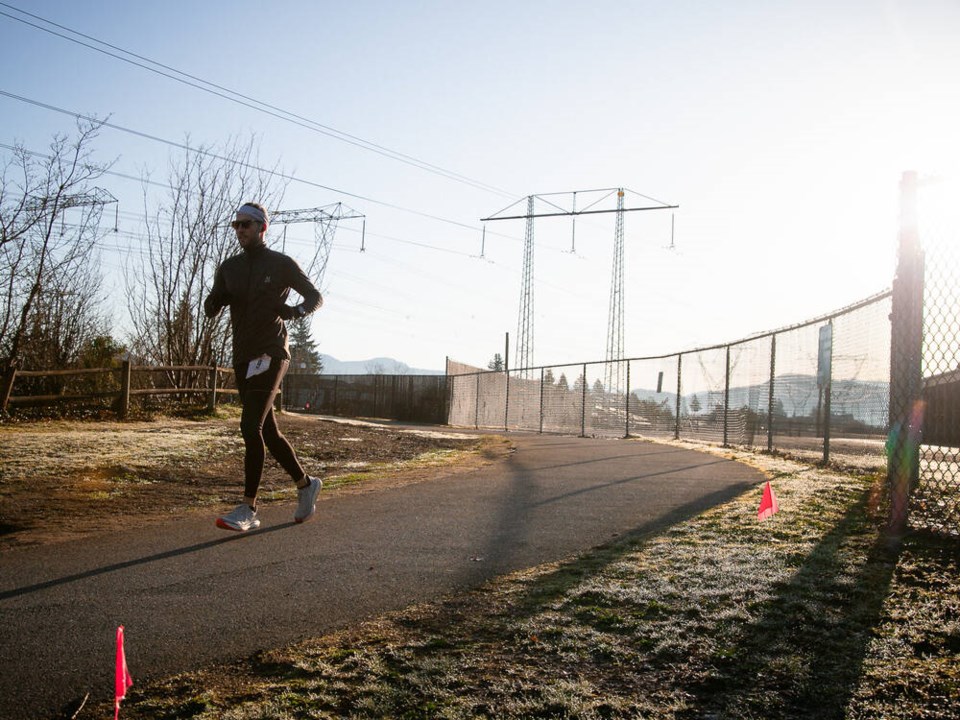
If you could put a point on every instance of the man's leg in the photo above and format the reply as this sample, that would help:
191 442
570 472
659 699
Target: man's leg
258 425
270 433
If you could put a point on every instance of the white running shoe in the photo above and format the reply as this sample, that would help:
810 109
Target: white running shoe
242 518
307 500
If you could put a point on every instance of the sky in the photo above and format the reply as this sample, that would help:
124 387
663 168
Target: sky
779 129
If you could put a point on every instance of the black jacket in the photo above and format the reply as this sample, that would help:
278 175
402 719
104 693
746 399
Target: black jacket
256 284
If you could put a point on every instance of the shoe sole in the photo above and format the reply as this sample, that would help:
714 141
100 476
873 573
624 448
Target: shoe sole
227 526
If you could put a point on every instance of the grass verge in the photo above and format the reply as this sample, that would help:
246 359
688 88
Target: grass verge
807 615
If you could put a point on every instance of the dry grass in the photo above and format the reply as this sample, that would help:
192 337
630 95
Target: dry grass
807 615
61 480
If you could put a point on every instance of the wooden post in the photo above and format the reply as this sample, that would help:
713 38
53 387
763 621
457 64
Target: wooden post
6 386
125 373
214 376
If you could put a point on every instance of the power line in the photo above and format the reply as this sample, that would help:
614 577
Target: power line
207 153
239 98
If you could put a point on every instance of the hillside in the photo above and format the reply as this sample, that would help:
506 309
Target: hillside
373 366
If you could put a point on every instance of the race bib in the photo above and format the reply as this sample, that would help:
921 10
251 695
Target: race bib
260 365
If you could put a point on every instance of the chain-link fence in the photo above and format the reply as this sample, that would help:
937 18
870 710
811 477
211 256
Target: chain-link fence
927 352
874 386
819 390
936 496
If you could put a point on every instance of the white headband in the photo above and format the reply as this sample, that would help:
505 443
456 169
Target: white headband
254 212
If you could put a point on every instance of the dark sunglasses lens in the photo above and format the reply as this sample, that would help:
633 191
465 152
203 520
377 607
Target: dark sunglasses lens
237 224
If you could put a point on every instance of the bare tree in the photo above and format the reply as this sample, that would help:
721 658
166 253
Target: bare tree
49 224
188 235
65 319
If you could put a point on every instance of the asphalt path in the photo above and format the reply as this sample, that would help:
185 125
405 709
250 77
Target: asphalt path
189 594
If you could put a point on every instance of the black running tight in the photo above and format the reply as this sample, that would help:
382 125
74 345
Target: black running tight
258 426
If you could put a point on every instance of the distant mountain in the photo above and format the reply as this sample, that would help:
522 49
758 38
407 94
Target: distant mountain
373 366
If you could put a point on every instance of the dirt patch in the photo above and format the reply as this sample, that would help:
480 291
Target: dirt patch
61 480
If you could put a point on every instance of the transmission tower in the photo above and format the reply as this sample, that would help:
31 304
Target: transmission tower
324 221
93 197
615 330
524 357
613 382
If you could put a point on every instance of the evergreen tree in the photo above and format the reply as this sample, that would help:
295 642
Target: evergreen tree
497 363
304 357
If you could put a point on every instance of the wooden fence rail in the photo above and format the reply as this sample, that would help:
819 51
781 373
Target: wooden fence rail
126 390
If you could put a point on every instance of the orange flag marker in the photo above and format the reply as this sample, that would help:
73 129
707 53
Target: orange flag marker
123 679
768 503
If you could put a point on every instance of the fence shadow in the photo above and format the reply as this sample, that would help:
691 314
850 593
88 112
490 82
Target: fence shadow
814 631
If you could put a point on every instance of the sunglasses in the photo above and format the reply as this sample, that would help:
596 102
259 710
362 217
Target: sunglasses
237 224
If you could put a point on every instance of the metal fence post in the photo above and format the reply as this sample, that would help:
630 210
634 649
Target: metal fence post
726 400
476 410
627 406
827 403
773 374
583 404
506 405
541 400
676 432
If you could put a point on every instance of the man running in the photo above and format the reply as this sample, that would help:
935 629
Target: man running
256 284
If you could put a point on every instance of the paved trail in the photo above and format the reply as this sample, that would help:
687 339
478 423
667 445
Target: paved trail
189 594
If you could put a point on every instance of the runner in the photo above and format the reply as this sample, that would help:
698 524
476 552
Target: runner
256 284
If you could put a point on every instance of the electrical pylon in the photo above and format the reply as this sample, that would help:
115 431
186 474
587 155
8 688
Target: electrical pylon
324 221
524 358
615 330
614 381
94 197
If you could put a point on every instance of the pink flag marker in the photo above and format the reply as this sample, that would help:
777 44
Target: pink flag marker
768 503
123 679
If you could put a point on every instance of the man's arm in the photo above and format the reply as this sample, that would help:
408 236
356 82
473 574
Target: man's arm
312 299
218 296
